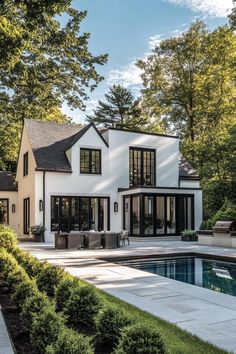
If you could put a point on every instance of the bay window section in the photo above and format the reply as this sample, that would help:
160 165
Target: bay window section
148 215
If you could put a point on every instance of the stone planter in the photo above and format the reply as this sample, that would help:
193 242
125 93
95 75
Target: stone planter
38 238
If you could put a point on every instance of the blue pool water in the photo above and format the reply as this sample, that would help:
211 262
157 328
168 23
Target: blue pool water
208 273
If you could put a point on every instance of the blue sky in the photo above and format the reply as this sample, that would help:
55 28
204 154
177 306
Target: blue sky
128 29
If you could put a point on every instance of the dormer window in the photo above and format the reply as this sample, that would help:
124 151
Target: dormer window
142 167
90 161
25 164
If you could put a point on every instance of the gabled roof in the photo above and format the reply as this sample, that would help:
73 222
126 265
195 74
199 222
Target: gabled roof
7 181
186 171
50 141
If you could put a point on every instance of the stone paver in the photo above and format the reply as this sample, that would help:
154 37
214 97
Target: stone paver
5 342
206 313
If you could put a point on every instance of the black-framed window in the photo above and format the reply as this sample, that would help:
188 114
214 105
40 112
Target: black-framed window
90 161
142 167
26 164
26 215
4 211
148 214
80 213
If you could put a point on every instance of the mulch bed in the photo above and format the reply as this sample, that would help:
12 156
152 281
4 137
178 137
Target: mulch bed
20 337
11 314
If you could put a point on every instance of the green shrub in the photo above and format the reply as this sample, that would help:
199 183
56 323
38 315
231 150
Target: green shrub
45 329
31 264
189 232
64 291
82 306
32 306
15 277
140 339
110 322
70 342
226 213
48 278
7 263
203 225
23 291
8 239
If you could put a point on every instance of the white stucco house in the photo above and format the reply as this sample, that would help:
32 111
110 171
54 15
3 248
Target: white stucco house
71 178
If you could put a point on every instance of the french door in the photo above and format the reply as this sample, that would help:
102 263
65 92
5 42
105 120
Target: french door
4 212
26 216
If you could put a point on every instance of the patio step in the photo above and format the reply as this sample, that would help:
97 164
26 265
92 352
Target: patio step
153 239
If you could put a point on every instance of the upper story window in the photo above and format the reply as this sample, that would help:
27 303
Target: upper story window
90 161
142 167
25 164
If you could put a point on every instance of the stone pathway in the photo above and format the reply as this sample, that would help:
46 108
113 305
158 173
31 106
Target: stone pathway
5 342
205 313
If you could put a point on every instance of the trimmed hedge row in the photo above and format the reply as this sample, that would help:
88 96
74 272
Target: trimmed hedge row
50 300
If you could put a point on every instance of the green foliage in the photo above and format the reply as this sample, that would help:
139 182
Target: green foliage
7 263
45 329
70 342
16 276
140 339
119 110
8 239
64 290
31 264
226 213
48 278
43 63
189 232
82 306
22 291
109 323
232 16
31 308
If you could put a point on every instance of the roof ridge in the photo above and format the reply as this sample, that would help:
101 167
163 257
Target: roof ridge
56 123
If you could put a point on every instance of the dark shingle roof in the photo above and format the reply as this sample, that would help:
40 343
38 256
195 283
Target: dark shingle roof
49 141
185 169
7 181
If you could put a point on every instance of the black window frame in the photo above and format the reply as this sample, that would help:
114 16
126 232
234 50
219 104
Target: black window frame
7 200
141 162
79 198
26 164
91 164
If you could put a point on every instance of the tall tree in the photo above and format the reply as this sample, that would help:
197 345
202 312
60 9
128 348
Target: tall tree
232 16
119 109
42 63
188 80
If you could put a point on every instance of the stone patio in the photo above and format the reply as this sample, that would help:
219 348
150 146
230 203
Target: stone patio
205 313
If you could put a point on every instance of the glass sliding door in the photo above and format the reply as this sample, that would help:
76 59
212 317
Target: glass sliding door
160 215
136 215
64 214
79 213
84 214
170 215
185 212
74 214
148 215
4 212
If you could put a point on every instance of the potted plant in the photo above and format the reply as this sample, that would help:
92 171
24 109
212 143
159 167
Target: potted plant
189 235
38 232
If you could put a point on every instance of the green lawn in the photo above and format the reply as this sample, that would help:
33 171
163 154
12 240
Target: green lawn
177 341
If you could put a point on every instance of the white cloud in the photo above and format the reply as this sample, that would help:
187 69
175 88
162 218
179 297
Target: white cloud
129 75
213 8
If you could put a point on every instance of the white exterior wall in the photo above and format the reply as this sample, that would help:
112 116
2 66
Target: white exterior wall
26 184
115 174
12 198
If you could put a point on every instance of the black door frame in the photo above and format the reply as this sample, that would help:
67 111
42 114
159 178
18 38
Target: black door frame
26 215
7 200
141 206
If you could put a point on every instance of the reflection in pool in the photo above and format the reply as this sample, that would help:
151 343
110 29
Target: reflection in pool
211 274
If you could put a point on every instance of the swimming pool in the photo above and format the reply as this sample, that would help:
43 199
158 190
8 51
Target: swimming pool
211 274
